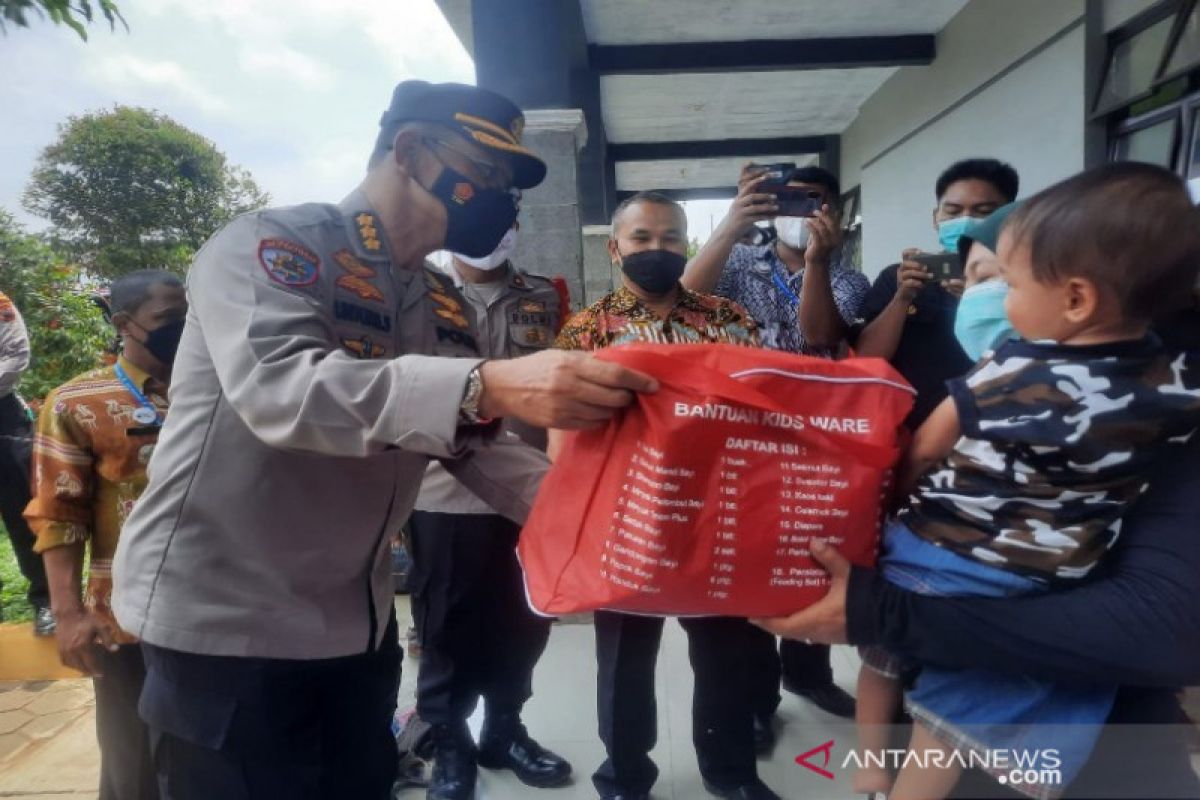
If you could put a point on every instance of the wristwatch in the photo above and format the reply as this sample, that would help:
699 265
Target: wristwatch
468 409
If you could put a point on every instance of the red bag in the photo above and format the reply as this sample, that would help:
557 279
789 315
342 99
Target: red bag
703 497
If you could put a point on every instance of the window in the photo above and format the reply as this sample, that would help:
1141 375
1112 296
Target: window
1154 143
1186 53
1133 65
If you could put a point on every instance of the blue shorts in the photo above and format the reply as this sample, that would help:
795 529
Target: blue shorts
978 709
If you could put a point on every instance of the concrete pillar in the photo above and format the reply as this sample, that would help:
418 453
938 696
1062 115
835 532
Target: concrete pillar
550 243
599 275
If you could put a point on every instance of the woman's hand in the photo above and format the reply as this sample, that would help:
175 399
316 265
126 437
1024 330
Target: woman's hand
824 622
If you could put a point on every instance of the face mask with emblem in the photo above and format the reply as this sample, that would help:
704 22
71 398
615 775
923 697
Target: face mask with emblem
793 231
981 324
476 218
497 258
655 271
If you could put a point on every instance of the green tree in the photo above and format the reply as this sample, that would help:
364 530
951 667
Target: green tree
68 334
131 189
60 12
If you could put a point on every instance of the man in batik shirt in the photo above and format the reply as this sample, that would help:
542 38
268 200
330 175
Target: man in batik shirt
649 241
94 438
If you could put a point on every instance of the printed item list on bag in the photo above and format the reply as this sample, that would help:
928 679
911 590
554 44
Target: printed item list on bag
660 499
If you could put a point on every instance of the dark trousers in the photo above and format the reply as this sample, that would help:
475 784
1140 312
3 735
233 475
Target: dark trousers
722 722
126 768
801 665
263 729
15 451
479 637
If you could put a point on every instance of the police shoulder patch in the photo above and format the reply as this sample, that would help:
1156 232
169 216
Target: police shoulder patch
289 263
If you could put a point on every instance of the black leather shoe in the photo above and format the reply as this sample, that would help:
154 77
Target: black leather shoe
830 698
454 769
747 791
505 744
43 622
764 733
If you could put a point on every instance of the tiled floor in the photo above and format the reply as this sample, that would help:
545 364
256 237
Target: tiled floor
562 716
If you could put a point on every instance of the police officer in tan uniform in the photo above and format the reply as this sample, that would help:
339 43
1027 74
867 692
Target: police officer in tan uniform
479 638
321 367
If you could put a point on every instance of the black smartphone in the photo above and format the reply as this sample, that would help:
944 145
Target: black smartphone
793 201
941 266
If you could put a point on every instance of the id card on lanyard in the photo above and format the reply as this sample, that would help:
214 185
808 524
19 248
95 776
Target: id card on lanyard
146 413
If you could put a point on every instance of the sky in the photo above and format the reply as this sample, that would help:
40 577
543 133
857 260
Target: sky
291 90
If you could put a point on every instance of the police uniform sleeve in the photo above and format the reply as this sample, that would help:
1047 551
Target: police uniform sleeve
505 473
276 357
14 346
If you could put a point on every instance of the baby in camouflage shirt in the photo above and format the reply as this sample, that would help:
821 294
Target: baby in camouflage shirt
1017 482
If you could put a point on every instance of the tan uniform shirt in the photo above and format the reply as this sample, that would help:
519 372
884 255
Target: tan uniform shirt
513 318
306 400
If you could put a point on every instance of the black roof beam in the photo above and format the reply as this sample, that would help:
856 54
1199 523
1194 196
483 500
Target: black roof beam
717 148
764 54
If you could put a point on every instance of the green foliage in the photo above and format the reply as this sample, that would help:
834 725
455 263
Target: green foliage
60 12
13 602
693 248
132 189
67 332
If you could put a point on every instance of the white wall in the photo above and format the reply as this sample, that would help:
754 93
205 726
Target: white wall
1031 117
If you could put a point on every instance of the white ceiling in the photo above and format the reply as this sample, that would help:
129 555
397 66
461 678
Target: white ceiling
674 21
734 105
635 176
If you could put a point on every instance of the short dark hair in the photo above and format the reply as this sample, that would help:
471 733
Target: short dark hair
821 177
128 292
1130 227
995 172
654 198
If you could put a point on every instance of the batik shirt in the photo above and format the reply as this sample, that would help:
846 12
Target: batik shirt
752 277
89 468
1056 443
621 318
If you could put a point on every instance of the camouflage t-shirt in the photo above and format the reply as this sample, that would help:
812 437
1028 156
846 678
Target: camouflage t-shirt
1056 443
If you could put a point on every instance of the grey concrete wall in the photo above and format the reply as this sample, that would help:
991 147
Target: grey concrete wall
598 271
550 242
998 88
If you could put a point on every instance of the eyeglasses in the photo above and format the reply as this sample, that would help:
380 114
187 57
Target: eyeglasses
492 175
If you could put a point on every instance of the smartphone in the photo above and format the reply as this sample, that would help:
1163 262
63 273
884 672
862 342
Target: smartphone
941 266
793 201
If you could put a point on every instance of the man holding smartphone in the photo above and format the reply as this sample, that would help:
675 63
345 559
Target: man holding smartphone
804 301
908 315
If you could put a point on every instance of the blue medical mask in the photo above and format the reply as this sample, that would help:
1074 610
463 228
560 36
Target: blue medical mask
950 231
980 323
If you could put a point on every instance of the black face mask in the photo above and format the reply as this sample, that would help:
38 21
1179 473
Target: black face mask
476 218
655 271
163 341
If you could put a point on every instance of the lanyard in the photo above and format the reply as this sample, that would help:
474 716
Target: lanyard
148 413
782 286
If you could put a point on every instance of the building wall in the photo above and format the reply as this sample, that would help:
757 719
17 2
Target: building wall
1008 83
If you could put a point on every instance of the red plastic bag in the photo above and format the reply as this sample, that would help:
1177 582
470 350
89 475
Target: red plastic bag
703 498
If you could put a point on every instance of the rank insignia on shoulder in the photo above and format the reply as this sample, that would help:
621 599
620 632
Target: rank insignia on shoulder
363 347
368 231
532 306
358 279
518 281
447 302
288 263
433 282
453 316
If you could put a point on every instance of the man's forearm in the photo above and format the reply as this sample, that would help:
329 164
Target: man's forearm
64 573
882 336
703 272
820 322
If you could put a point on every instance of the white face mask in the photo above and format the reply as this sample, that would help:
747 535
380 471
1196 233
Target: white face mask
793 231
497 257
